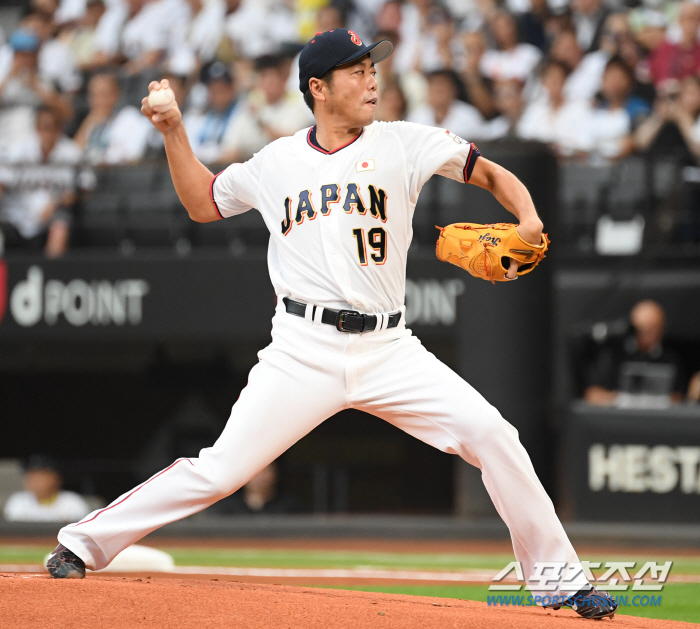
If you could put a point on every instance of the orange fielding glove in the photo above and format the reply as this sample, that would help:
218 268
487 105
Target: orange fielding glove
485 250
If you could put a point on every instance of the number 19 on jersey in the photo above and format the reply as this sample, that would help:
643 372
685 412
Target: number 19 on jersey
376 239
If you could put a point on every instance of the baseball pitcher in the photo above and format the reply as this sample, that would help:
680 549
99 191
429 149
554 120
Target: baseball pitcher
338 200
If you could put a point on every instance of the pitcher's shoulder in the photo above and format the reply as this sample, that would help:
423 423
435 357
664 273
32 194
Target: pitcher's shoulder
379 127
400 128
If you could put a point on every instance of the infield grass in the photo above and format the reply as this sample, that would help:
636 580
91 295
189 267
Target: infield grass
679 601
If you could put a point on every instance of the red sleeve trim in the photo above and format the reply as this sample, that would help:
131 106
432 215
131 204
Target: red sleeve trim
211 194
474 153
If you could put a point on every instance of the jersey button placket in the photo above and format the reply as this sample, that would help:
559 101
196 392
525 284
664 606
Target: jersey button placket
334 226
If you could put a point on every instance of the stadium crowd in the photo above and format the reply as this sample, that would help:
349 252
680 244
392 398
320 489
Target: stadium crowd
597 80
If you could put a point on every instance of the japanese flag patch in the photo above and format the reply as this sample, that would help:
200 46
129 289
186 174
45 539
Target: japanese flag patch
365 164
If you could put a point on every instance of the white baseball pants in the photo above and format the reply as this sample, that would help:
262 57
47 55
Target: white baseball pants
309 372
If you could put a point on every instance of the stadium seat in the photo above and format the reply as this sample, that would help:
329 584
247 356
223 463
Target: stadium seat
666 177
152 219
582 194
100 220
236 233
140 177
628 191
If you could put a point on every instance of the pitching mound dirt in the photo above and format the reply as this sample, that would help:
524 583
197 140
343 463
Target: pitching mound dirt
37 601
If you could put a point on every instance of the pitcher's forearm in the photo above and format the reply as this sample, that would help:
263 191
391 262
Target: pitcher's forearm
191 178
508 190
514 196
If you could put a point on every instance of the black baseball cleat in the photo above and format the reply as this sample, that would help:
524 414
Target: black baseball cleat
65 564
589 603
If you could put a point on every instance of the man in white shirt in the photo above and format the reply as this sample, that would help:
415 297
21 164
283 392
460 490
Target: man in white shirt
509 101
144 36
512 60
268 113
43 500
24 87
194 41
554 120
444 110
37 188
208 128
111 134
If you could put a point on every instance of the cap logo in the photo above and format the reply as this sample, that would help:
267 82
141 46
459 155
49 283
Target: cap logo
354 38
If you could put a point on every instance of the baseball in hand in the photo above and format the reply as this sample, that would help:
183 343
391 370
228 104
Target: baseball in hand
161 100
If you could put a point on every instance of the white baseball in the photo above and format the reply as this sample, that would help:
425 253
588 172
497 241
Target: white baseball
161 100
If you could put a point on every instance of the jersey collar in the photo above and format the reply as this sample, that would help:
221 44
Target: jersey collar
313 143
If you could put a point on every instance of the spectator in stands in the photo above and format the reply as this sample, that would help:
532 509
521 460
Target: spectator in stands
588 17
437 50
23 88
268 113
444 110
617 113
111 134
391 105
562 124
82 37
389 17
206 130
256 29
196 38
585 72
623 367
144 35
673 129
105 41
508 97
425 33
259 495
477 86
327 18
38 188
512 60
43 500
70 11
618 40
56 62
532 25
677 60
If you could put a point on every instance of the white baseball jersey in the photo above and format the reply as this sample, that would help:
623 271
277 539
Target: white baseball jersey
340 221
340 225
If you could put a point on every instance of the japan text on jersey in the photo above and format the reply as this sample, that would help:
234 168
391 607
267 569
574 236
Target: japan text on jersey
340 221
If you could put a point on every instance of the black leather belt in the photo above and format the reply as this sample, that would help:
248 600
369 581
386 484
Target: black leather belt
343 320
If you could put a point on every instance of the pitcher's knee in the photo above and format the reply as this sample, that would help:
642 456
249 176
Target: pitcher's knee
493 428
222 486
218 482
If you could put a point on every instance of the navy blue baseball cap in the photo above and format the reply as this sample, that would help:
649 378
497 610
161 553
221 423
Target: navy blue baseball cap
336 48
